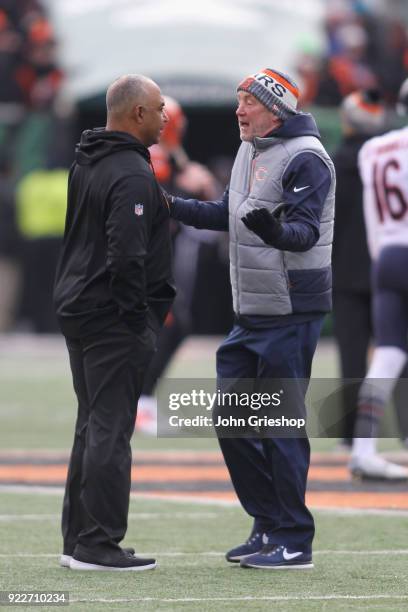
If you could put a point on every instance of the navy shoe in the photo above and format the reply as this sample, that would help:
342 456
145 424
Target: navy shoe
254 544
273 556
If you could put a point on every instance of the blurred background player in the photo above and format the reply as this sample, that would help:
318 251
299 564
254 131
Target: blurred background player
41 203
180 176
33 145
363 115
383 163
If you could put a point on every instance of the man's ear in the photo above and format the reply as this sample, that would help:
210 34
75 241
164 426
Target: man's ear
138 112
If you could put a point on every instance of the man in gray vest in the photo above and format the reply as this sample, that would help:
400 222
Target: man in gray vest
279 213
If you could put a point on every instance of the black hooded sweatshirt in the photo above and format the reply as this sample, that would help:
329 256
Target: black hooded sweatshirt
116 259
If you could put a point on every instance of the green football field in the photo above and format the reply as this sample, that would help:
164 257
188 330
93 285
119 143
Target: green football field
360 561
361 557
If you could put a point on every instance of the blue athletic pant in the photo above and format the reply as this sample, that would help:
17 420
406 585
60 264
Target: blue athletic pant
390 303
269 475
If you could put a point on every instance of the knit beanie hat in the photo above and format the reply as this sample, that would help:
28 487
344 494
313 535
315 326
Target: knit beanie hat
364 111
275 90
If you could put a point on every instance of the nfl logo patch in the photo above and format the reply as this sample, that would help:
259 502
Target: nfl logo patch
138 209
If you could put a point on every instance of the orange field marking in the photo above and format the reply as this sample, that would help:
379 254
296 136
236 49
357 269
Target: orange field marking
142 473
33 473
315 499
155 473
212 472
384 500
213 456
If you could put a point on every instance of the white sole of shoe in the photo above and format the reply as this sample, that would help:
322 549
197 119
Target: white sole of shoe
81 565
280 567
358 474
65 560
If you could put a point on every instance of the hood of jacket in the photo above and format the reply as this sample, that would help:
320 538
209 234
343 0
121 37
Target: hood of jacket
302 124
98 143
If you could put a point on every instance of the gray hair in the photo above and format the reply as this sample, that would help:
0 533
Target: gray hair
127 90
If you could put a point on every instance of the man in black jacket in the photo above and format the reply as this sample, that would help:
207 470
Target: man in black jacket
363 115
113 291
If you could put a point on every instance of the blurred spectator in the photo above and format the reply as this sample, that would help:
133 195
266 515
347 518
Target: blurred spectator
348 69
308 68
28 68
31 143
389 55
11 95
39 76
41 207
364 49
181 176
29 75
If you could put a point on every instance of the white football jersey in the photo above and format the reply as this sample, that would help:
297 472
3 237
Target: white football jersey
383 163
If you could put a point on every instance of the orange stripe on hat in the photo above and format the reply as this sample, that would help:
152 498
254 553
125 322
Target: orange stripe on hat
281 79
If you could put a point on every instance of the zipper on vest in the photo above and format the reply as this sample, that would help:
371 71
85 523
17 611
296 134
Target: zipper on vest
251 176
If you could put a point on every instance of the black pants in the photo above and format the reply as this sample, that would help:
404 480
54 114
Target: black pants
170 338
39 259
353 331
107 371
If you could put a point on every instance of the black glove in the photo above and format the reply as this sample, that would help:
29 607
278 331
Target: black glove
264 224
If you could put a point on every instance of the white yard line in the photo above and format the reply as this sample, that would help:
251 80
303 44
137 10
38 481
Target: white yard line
13 518
132 516
216 553
207 501
360 511
28 489
246 598
188 499
361 552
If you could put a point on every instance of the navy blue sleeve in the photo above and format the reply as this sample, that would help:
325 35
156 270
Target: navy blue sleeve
202 215
306 183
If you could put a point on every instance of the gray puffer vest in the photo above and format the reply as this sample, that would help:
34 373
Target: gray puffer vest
267 281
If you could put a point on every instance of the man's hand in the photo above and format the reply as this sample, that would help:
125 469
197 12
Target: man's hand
168 197
264 224
195 178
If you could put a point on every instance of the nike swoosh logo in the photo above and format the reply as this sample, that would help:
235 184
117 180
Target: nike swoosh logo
288 556
296 189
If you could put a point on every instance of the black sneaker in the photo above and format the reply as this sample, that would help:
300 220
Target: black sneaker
121 562
65 560
253 544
